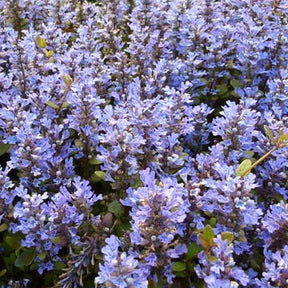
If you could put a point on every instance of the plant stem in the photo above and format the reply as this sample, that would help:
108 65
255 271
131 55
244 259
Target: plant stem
259 161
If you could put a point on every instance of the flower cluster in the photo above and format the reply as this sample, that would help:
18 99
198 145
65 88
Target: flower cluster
157 219
51 224
275 226
134 131
219 270
276 269
119 269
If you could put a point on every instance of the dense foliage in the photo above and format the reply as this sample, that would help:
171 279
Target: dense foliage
144 143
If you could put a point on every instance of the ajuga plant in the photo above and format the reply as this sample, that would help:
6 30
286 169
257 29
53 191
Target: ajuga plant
143 143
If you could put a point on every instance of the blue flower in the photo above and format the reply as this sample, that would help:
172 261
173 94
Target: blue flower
275 226
276 268
158 214
120 269
222 270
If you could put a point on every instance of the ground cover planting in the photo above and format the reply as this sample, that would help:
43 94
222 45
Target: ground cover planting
143 143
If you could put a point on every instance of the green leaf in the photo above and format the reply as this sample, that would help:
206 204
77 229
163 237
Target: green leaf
227 236
65 105
18 251
59 265
25 258
180 274
52 105
4 227
200 284
4 148
116 208
208 233
244 166
241 237
283 138
3 272
34 266
152 284
213 221
214 98
9 261
51 60
56 240
204 243
230 64
94 161
98 176
67 80
48 53
212 258
78 143
255 265
178 266
41 42
121 228
249 153
42 255
235 83
222 89
193 251
279 197
12 241
269 134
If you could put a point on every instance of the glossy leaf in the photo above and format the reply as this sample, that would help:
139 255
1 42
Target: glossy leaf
4 148
179 266
3 272
249 153
65 105
227 236
241 237
12 241
25 258
213 221
116 208
208 233
98 176
94 161
51 104
42 255
269 134
235 83
51 60
48 53
41 42
58 265
67 80
204 243
222 89
193 251
283 137
152 284
243 168
56 240
212 258
4 227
